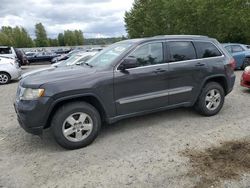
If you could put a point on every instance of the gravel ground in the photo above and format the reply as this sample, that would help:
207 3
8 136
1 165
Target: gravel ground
138 152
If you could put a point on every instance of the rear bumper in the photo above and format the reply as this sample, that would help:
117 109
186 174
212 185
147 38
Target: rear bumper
245 80
16 73
231 83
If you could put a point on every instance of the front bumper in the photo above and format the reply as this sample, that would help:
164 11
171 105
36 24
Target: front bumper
32 115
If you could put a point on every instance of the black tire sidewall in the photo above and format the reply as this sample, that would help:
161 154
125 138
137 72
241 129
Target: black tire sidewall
202 104
65 112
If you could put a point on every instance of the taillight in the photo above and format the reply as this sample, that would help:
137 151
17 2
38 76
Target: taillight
232 63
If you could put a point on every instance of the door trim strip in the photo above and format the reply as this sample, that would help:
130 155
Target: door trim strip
153 95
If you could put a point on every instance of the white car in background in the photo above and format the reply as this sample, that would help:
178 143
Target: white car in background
9 70
8 51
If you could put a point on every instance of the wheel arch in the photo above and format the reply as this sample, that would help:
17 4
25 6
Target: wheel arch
89 98
6 73
221 79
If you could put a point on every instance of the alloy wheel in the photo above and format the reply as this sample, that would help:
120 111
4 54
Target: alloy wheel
77 127
3 78
213 99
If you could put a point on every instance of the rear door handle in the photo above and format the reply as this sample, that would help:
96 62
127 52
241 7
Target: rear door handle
200 64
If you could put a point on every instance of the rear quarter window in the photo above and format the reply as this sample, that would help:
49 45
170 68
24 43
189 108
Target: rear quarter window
206 50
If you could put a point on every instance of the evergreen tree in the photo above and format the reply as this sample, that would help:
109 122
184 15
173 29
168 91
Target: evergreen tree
223 19
41 35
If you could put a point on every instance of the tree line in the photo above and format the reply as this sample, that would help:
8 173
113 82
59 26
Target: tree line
19 37
226 20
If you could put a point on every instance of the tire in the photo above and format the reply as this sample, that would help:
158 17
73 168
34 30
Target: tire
86 122
246 63
202 105
4 78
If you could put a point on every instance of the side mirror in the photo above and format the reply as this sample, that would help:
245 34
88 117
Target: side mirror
128 63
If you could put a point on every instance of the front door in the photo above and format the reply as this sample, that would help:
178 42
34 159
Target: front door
144 87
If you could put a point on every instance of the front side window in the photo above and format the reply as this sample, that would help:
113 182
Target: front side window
229 49
181 51
237 48
148 54
206 50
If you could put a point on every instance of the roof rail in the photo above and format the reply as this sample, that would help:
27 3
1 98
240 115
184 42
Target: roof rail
180 36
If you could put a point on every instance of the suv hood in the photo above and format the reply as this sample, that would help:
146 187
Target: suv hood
36 79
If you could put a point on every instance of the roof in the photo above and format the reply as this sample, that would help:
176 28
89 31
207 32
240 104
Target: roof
227 44
164 37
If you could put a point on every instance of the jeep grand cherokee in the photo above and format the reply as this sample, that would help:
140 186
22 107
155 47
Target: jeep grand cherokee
129 78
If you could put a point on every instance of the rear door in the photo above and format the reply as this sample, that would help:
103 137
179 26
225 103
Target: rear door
145 87
185 72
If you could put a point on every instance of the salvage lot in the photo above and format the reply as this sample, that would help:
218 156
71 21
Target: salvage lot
164 149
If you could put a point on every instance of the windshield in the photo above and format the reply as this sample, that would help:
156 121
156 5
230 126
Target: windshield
70 60
107 56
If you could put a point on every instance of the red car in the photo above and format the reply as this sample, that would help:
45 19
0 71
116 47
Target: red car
245 79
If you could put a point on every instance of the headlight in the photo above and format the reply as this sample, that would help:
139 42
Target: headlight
31 94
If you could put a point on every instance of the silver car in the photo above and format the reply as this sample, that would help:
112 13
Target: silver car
9 70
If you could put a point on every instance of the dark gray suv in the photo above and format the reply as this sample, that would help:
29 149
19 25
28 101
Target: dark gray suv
129 78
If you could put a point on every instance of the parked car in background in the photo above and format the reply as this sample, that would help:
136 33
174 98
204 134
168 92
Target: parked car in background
22 58
9 70
64 56
245 78
77 59
129 78
62 51
94 49
240 53
8 52
40 56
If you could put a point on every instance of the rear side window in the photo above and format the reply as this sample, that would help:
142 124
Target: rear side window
181 51
5 51
237 48
207 49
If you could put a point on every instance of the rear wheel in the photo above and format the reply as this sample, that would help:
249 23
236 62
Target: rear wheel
76 125
4 78
246 63
211 99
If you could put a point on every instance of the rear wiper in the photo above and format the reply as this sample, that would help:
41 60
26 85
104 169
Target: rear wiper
88 65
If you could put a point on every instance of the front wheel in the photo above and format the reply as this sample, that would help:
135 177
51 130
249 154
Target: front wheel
76 125
211 99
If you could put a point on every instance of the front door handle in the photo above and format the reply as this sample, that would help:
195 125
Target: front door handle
200 64
159 70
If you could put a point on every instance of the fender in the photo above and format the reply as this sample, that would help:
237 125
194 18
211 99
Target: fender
209 78
71 97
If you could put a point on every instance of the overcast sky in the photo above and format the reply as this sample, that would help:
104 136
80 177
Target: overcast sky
96 18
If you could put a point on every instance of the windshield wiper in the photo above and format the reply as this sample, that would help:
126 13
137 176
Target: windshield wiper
91 66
